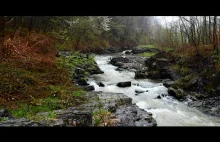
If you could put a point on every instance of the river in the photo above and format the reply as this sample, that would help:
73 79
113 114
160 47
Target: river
167 111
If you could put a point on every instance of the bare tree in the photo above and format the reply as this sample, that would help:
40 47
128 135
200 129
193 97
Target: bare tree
215 45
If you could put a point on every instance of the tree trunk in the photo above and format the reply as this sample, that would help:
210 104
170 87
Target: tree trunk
210 32
215 33
203 31
206 31
31 23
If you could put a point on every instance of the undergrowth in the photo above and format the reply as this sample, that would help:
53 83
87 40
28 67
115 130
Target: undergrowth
32 80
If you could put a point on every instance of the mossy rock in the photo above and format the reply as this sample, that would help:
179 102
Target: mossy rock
177 93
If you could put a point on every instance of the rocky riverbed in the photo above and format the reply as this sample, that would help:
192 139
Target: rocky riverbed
149 94
123 113
124 89
121 110
187 82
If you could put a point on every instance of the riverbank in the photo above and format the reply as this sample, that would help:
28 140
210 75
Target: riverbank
167 110
119 95
193 79
94 109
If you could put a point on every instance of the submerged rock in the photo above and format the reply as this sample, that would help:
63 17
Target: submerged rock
119 69
124 84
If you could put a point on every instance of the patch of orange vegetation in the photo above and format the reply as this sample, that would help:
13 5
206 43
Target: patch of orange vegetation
34 45
35 53
187 50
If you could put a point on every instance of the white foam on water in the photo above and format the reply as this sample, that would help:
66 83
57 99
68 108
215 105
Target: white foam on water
167 111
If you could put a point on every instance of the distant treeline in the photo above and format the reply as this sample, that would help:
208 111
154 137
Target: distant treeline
85 33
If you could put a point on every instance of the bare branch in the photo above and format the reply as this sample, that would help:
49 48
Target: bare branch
10 20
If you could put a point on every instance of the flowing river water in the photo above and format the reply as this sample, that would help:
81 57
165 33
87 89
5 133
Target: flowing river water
167 111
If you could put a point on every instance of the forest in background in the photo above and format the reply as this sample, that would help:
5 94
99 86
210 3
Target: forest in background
29 45
92 33
82 33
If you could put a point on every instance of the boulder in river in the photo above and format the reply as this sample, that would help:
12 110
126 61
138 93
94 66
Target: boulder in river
128 52
124 84
88 88
141 74
118 64
168 82
96 70
118 61
158 97
177 93
139 91
82 82
100 84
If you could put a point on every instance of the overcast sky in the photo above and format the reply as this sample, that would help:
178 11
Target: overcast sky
164 19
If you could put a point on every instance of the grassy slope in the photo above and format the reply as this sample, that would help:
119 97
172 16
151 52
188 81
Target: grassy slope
189 64
32 80
146 54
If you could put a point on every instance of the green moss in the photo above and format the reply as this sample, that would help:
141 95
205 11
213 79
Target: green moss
216 59
169 49
181 69
41 105
77 93
65 98
184 71
181 82
146 46
147 54
76 60
100 116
